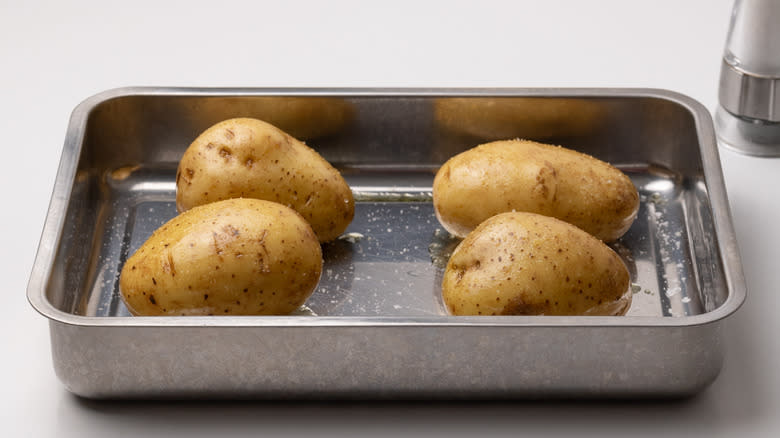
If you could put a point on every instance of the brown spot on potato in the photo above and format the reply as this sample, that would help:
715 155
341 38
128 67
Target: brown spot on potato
185 176
262 263
168 265
225 153
517 306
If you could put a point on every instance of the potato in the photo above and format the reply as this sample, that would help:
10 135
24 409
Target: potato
521 175
248 158
233 257
521 263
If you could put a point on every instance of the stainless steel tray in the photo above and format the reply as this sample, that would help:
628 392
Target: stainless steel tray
375 327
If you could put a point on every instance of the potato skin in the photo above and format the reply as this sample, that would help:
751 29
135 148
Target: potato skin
521 175
233 257
248 158
527 264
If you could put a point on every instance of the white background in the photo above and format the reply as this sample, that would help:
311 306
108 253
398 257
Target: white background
55 54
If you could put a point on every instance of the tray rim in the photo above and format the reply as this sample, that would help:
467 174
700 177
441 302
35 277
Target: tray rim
55 217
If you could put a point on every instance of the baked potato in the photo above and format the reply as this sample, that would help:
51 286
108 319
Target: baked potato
522 263
521 175
232 257
249 158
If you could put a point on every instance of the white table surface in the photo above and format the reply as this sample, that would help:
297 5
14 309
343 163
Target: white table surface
55 54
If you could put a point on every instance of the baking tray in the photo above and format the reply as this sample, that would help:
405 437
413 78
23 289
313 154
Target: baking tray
375 327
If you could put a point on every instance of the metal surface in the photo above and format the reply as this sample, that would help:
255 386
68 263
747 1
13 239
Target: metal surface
376 327
748 117
749 96
748 136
